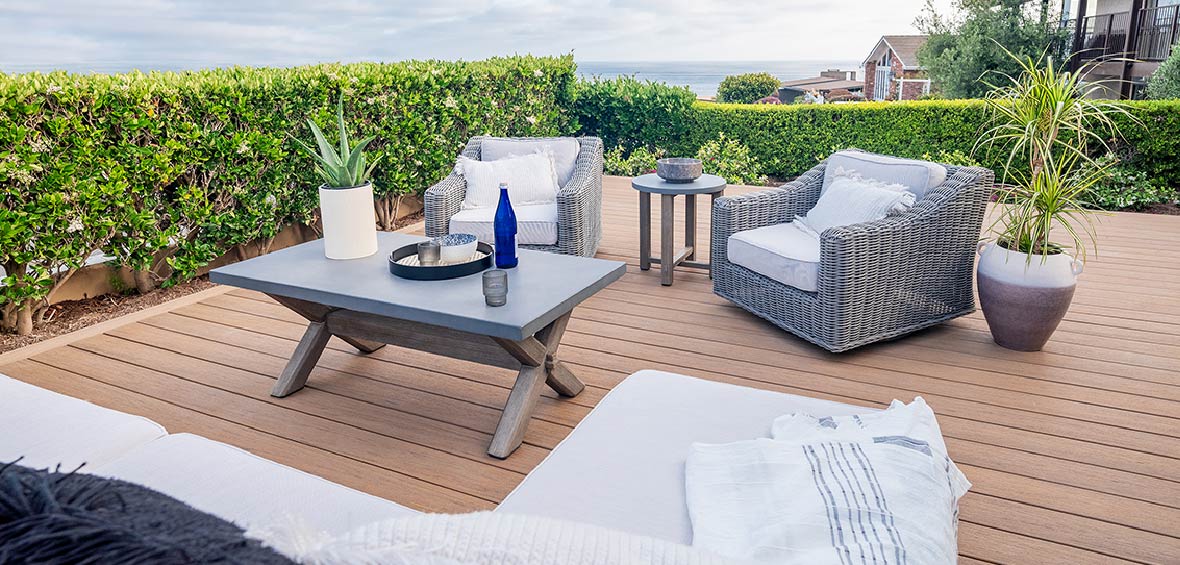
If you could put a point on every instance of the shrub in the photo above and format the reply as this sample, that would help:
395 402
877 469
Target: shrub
1123 187
730 159
167 171
632 113
639 162
746 88
1165 82
954 157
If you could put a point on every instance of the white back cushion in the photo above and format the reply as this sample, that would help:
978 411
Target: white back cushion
917 176
531 180
563 149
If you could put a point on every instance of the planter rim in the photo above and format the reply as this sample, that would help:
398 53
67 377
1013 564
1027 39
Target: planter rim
334 188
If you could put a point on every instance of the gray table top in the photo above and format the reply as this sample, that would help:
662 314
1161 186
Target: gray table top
541 288
707 184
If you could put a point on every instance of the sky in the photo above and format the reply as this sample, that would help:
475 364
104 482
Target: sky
116 35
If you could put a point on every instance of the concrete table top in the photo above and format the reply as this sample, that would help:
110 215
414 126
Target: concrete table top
707 184
542 288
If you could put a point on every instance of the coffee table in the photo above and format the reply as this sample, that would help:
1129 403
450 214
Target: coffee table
360 302
669 259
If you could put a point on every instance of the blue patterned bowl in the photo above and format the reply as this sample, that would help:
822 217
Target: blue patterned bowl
457 247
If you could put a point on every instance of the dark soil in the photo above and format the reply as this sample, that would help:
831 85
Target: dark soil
1164 209
73 315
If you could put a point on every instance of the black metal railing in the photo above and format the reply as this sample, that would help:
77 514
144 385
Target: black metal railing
1104 35
1157 33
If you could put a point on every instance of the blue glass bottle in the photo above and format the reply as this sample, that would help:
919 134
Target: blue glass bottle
505 230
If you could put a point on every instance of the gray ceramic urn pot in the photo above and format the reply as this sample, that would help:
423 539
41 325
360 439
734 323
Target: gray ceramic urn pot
1024 298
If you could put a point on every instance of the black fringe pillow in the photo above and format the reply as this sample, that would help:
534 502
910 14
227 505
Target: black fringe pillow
54 517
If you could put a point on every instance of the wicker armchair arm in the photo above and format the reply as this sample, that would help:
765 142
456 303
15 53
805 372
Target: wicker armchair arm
916 247
579 202
442 201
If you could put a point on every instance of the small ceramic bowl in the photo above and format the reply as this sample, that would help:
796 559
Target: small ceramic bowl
457 247
678 169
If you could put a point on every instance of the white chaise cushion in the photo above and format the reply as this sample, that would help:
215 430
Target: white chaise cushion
917 176
782 252
250 491
564 151
536 224
47 429
531 179
623 466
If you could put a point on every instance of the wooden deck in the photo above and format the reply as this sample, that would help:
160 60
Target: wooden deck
1074 451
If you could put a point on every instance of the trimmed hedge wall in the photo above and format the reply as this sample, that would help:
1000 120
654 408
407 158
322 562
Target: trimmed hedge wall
788 140
167 171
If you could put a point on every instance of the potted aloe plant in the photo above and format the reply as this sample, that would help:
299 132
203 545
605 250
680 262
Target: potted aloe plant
346 197
1046 120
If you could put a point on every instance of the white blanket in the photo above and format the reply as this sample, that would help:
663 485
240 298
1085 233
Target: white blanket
482 538
869 489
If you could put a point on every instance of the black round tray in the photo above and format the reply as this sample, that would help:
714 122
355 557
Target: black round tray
420 273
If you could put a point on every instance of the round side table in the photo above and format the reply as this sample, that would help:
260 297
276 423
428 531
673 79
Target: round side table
669 258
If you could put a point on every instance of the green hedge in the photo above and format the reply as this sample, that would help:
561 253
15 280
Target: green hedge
166 171
788 140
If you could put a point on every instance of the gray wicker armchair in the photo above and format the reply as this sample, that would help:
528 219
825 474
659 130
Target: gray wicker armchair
579 202
877 280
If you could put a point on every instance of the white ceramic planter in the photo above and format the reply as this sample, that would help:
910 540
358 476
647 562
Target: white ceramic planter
350 224
1023 300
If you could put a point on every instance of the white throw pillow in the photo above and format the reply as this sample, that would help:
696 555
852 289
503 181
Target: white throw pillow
851 199
531 180
564 151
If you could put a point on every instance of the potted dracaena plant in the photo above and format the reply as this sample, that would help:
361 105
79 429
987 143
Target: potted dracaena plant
346 196
1045 121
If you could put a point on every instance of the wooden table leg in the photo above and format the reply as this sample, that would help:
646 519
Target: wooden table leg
306 355
644 231
667 238
523 398
317 313
690 225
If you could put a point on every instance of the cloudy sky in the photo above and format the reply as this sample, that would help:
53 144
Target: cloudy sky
115 35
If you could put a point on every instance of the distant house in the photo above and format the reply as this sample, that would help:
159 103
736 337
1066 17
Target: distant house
826 82
892 71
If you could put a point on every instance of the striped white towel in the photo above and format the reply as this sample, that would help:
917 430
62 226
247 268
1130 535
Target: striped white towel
874 489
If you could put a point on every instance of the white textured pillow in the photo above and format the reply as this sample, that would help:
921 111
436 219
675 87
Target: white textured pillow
851 199
563 149
531 180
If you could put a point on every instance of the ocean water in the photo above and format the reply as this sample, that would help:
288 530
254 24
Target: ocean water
703 77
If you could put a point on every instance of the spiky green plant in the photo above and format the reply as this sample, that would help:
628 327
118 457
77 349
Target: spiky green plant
345 169
1048 121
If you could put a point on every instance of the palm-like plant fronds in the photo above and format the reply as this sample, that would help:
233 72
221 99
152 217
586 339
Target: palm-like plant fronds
1047 120
345 169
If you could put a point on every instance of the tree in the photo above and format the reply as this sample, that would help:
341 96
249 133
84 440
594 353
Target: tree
1165 83
965 52
747 88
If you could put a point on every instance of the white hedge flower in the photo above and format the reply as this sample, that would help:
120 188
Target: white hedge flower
75 226
538 73
531 119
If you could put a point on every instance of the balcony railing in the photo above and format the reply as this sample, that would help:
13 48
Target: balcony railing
1157 33
1105 35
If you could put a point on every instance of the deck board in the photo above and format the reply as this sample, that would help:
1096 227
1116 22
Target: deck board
1074 451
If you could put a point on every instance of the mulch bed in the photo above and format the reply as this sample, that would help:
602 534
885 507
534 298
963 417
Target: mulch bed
73 315
1165 209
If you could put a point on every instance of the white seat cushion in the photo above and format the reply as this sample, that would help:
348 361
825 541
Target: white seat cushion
245 489
564 151
623 466
47 429
782 252
536 224
917 176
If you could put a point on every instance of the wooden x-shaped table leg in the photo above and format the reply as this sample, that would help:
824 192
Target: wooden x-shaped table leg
311 345
538 357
